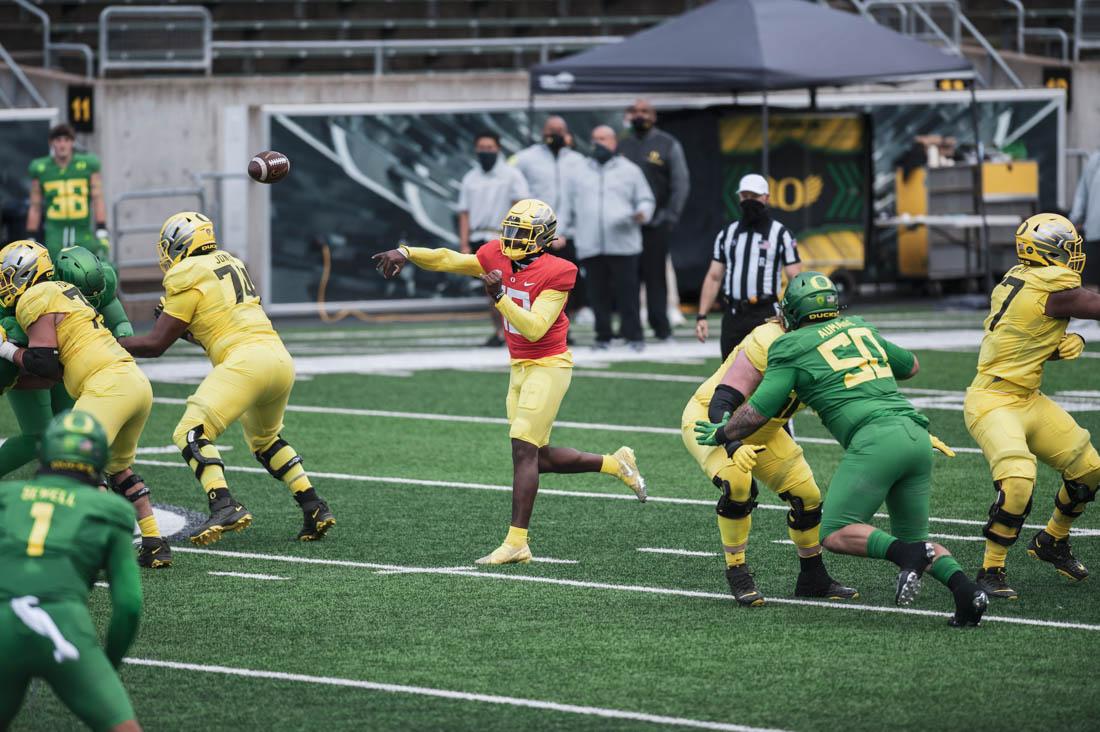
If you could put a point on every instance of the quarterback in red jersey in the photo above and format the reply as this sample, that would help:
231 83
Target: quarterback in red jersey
530 287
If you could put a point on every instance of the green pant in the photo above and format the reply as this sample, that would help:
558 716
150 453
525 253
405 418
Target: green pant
88 685
888 460
33 410
59 236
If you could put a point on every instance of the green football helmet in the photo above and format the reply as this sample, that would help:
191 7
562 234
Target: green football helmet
78 266
74 441
810 297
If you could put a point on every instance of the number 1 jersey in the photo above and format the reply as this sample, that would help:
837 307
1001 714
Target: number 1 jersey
214 293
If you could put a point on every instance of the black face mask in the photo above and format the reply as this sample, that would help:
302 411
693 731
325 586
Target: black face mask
753 211
554 142
640 125
602 153
487 160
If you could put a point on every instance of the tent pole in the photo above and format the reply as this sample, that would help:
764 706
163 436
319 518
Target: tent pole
530 114
979 193
764 142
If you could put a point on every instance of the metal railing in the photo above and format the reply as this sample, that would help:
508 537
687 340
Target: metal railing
1085 38
118 231
155 58
21 81
49 47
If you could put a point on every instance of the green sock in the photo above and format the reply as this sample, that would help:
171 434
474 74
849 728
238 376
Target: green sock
877 544
944 567
17 451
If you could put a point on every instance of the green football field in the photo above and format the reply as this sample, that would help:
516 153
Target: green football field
625 623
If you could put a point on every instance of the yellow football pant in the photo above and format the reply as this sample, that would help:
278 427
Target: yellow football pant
1015 429
252 384
781 467
120 397
535 393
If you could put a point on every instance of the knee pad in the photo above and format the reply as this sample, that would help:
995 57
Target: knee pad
998 514
799 517
264 457
1079 494
121 488
193 451
732 509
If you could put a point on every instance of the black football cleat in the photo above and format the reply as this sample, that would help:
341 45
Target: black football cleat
822 586
317 520
1056 552
154 553
994 582
225 515
970 604
909 578
743 586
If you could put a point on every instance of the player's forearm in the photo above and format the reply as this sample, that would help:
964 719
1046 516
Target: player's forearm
532 324
145 346
743 423
34 217
443 260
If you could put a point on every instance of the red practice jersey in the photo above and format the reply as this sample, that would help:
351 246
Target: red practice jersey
547 272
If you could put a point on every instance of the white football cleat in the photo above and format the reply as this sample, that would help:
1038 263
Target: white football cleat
628 472
507 554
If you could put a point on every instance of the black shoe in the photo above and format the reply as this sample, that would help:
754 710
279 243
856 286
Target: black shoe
820 584
154 553
1046 548
494 341
225 515
908 583
743 587
317 520
994 582
970 604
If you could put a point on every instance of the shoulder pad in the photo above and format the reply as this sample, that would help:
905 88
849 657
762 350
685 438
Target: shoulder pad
1052 279
785 348
180 277
110 288
111 507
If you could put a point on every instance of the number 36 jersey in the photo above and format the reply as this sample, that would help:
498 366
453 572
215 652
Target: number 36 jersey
1019 335
214 293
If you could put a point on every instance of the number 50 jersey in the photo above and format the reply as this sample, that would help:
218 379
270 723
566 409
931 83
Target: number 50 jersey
214 293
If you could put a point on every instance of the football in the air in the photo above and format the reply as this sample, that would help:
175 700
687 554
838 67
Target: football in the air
268 167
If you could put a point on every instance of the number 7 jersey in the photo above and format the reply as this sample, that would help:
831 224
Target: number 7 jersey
214 293
1019 335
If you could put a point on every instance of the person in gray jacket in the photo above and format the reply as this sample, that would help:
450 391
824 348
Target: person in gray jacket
606 200
1085 215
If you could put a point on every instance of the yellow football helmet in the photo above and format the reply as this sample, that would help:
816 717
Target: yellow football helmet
1048 239
528 229
182 235
22 263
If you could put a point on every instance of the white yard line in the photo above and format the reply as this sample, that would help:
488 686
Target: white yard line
512 701
676 552
1077 532
248 575
645 589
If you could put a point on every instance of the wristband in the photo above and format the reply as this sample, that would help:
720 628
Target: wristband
101 232
8 351
701 316
499 295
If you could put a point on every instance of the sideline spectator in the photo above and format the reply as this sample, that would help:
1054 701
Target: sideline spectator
749 255
486 194
606 201
661 158
1085 215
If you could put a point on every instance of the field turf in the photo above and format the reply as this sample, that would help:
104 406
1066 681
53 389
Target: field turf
387 624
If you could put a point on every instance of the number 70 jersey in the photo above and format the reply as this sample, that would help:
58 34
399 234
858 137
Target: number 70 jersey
214 293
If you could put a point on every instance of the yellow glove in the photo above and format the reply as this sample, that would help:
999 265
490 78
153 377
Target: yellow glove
938 444
744 457
1071 346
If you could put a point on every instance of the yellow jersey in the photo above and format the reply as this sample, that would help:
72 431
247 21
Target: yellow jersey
1019 335
214 293
755 346
84 344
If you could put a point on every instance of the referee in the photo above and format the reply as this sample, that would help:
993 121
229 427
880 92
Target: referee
749 255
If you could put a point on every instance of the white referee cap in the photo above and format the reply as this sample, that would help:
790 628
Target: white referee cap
753 183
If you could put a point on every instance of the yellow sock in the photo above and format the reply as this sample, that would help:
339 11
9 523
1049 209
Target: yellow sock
610 465
735 538
1059 523
148 526
517 537
295 478
994 554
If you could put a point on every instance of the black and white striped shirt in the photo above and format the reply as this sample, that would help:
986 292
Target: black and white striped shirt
754 258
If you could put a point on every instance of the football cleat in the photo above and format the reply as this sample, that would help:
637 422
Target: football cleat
154 553
743 586
318 519
994 582
970 604
821 585
1046 548
225 516
628 472
507 554
909 578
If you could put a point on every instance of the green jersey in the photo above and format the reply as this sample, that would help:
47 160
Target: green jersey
66 200
56 534
843 369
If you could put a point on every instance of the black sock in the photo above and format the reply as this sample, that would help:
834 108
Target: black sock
812 565
307 496
908 554
957 580
218 495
